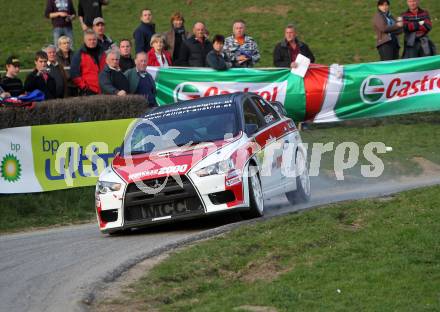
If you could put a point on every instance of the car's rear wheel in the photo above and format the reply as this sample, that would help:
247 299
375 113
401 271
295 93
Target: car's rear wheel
302 193
256 199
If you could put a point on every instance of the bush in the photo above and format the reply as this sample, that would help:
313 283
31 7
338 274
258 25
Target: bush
79 109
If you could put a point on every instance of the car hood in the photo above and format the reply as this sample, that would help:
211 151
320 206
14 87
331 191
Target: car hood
176 160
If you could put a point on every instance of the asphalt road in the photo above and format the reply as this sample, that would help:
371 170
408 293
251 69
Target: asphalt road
59 269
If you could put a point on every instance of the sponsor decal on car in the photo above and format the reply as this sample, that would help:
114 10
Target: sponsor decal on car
160 171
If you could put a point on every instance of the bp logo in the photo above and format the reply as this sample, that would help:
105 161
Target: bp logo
372 90
10 168
186 91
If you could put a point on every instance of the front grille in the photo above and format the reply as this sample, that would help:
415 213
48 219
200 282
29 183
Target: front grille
172 200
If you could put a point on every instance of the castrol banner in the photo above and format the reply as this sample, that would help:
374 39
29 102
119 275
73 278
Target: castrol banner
325 94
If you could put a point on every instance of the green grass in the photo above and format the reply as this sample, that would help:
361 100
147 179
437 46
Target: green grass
383 255
27 211
337 31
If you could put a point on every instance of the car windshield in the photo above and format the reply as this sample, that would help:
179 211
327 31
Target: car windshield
182 125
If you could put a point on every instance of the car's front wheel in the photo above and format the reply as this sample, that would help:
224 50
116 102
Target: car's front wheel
256 199
302 193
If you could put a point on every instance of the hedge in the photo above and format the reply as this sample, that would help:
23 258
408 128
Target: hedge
78 109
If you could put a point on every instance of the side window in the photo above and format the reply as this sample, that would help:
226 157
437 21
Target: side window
269 114
250 114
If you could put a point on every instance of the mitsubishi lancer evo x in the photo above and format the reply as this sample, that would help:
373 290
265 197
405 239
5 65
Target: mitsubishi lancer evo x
203 156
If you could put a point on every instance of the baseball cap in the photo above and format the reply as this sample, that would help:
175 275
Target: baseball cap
98 20
13 60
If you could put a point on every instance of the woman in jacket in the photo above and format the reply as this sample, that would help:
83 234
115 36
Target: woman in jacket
176 35
387 29
158 56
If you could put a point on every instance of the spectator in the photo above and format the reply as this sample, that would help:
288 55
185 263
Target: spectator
217 59
286 51
416 26
157 56
39 78
111 79
126 61
176 35
10 82
61 12
88 10
56 71
387 30
241 49
140 81
194 50
99 28
87 63
64 57
142 35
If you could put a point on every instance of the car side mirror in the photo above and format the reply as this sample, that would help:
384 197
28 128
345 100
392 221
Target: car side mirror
250 129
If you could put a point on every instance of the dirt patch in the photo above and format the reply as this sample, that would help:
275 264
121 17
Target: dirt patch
428 167
266 270
255 309
281 10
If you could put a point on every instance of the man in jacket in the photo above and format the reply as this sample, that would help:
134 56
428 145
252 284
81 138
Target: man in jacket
140 81
416 26
10 82
61 13
126 61
217 59
111 79
39 79
104 41
56 71
286 51
143 33
86 65
240 48
194 50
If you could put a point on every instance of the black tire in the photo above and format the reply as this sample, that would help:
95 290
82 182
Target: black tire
302 193
256 207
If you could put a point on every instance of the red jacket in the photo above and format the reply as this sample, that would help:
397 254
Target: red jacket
411 22
84 70
152 59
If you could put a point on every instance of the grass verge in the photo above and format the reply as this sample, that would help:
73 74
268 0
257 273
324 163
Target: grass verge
64 207
368 255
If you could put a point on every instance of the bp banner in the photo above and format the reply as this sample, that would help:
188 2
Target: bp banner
53 157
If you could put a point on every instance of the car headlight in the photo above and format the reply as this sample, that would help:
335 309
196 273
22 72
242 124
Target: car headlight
222 167
103 187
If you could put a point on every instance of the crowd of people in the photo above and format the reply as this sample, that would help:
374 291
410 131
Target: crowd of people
101 66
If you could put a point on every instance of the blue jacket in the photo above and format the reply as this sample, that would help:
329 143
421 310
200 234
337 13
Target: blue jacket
142 36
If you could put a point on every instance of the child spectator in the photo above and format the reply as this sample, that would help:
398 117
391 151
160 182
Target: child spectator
217 59
10 82
39 78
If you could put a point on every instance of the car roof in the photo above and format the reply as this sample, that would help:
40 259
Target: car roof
224 98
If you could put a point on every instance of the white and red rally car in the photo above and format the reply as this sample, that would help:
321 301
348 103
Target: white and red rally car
199 157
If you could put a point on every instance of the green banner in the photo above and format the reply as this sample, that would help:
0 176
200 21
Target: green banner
177 84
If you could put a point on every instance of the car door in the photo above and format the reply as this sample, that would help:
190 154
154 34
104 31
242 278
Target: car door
255 112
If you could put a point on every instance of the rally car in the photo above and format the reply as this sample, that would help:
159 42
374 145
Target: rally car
199 157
